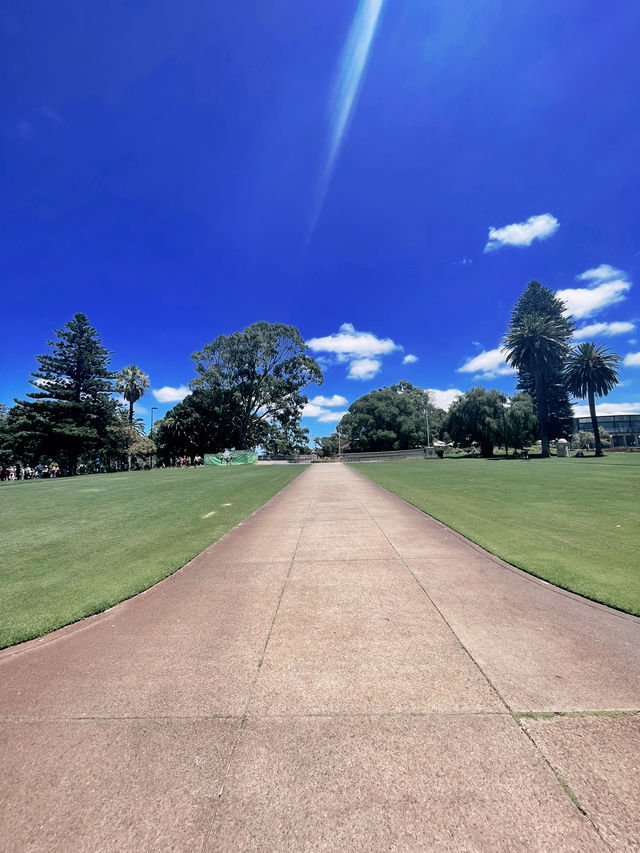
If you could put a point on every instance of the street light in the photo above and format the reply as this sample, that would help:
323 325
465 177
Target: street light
153 409
506 404
426 414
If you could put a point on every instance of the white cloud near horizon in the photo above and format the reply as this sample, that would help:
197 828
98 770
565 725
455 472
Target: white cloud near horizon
168 394
606 286
361 349
606 330
487 364
582 411
539 227
409 359
336 400
444 399
632 359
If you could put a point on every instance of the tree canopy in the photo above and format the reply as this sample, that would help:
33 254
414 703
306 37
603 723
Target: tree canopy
592 370
260 374
132 383
72 406
393 418
477 417
541 301
537 343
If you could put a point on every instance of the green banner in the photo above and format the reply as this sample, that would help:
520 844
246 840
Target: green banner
231 457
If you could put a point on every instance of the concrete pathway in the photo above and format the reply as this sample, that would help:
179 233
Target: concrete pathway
340 672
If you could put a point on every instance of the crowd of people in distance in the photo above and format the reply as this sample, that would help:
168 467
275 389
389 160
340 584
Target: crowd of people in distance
9 473
26 472
187 462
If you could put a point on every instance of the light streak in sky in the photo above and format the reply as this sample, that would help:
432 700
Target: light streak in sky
351 69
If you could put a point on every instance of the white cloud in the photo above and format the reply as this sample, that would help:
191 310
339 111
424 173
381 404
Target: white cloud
336 400
361 349
167 394
606 330
582 411
605 272
331 417
348 344
322 414
605 286
443 399
487 364
410 359
632 359
364 368
522 233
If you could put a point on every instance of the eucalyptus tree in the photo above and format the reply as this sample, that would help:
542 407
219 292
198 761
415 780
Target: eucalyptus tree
592 370
393 418
538 344
132 383
260 374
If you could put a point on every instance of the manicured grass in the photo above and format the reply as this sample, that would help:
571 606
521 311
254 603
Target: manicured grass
573 522
73 547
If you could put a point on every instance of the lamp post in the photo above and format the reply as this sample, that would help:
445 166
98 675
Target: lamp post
153 409
505 406
426 414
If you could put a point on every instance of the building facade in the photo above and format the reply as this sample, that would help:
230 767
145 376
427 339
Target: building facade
624 428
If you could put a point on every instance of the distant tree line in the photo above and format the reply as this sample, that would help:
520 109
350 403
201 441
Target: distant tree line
249 391
537 344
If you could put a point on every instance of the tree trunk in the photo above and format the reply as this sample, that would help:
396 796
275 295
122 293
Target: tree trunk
594 421
486 448
130 412
541 401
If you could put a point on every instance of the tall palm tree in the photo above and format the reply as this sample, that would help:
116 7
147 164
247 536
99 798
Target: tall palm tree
592 370
131 382
537 344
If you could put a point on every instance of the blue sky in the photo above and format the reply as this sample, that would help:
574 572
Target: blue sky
386 175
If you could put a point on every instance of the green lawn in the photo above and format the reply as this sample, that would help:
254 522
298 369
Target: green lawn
573 522
72 547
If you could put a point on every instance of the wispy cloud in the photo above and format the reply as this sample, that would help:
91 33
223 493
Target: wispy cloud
603 330
410 359
606 286
443 399
538 227
632 359
487 364
351 68
362 350
167 394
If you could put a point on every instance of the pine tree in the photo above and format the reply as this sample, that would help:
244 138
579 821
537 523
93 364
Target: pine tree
72 407
538 299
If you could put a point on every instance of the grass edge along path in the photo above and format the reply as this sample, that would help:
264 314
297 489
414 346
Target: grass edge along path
572 522
74 547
